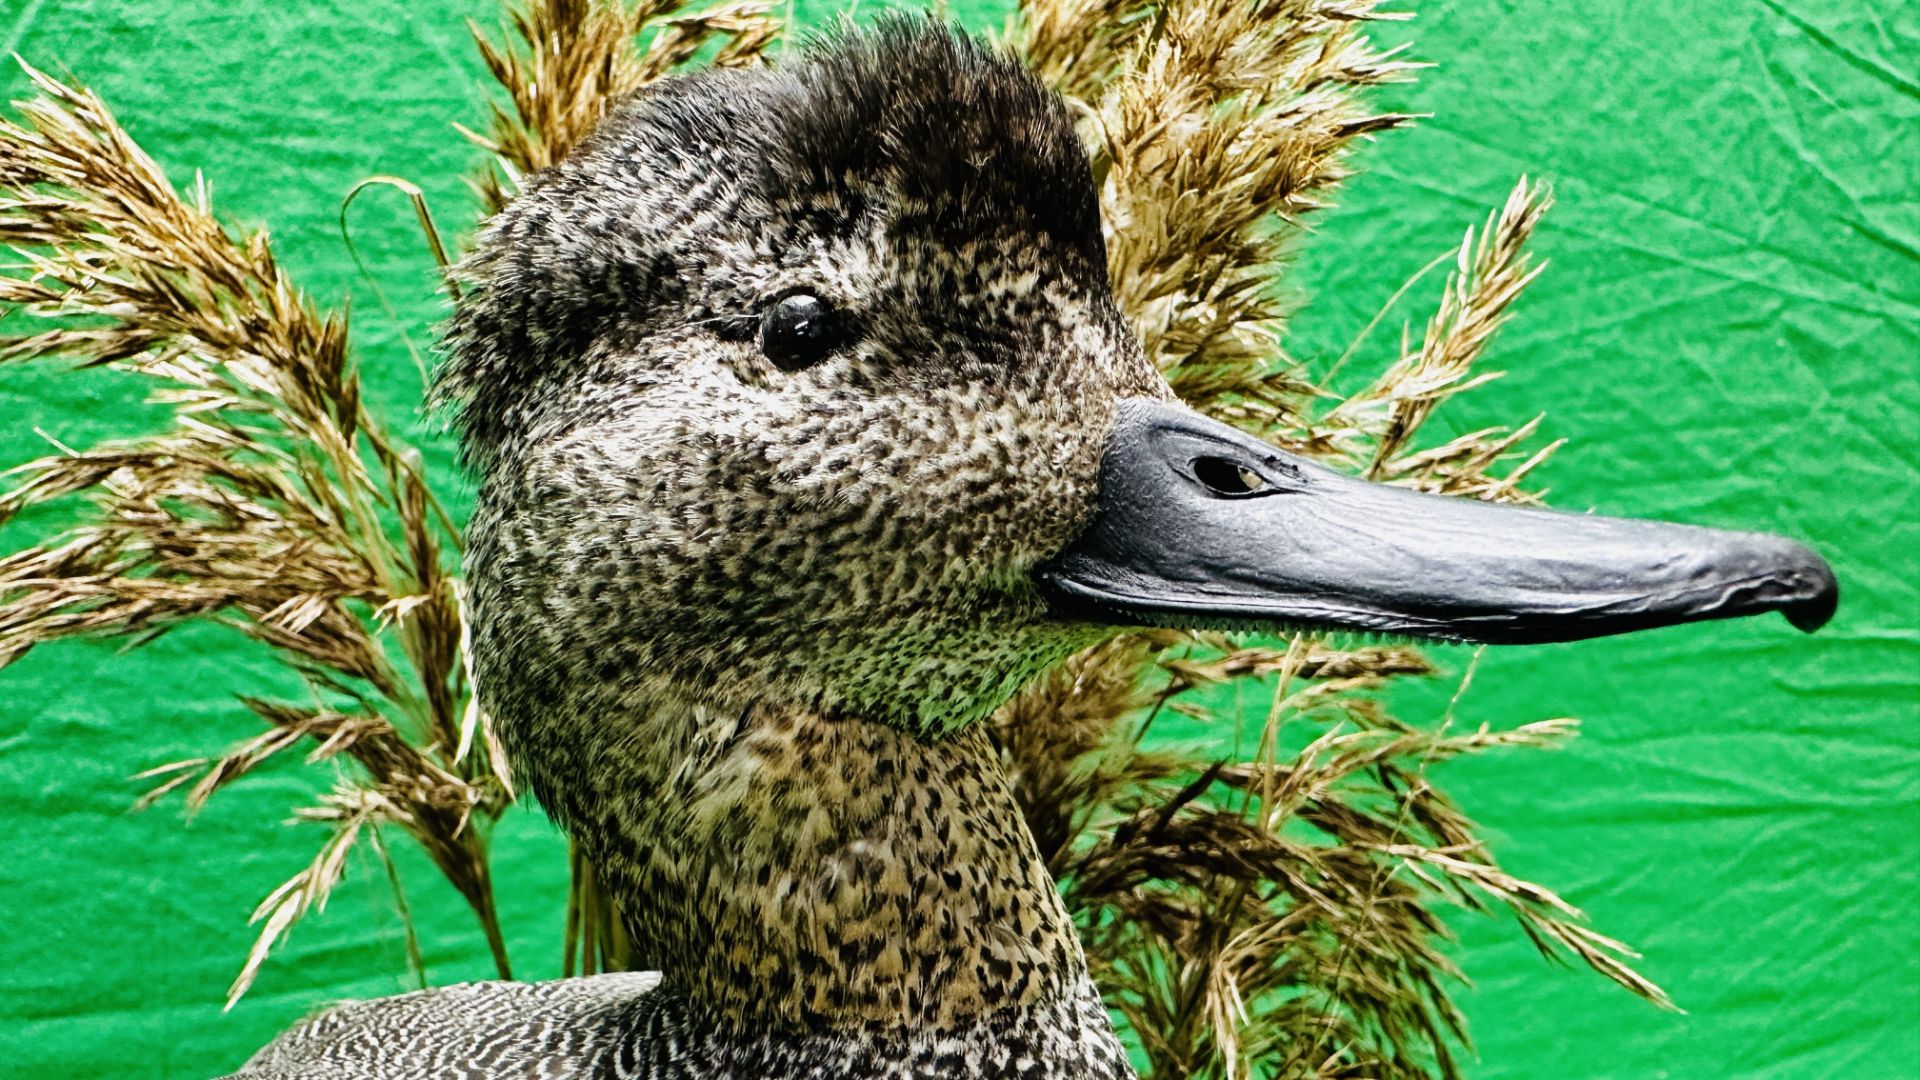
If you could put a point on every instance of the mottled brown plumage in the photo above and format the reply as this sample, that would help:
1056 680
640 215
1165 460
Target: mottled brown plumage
723 611
736 625
808 431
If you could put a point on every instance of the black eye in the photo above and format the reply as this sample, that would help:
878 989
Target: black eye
798 331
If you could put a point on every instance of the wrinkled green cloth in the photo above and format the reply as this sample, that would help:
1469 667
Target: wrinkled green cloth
1727 333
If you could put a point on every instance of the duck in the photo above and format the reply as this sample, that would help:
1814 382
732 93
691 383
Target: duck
806 431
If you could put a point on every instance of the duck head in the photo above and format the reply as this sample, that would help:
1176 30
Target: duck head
807 384
808 430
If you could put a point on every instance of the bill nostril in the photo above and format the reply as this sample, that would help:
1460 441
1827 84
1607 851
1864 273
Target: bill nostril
1227 478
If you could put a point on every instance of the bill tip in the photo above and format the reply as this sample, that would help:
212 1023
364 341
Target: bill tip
1819 595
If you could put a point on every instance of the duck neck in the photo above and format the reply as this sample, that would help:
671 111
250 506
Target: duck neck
794 873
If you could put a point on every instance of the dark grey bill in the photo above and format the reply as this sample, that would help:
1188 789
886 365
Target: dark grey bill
1201 525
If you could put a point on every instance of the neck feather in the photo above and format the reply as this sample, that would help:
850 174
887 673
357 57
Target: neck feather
797 872
1067 1039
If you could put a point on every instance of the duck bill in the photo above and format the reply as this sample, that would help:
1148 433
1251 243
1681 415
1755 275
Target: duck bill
1199 524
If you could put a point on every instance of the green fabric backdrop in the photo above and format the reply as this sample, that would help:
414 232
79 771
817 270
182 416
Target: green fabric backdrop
1728 334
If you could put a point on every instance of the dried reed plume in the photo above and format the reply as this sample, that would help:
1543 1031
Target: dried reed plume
1278 914
273 503
1213 124
1235 941
571 60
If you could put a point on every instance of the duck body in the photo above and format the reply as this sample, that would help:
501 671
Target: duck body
623 1026
808 431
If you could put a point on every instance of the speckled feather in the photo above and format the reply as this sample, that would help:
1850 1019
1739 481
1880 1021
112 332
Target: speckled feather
624 1027
736 625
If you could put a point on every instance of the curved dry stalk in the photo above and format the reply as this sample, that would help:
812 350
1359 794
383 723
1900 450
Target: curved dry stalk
306 890
1475 302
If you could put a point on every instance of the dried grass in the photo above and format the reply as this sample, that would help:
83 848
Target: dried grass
568 61
274 503
1216 126
1279 916
1276 913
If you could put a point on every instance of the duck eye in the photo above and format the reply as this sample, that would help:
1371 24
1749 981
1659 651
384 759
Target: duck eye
798 331
1227 478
